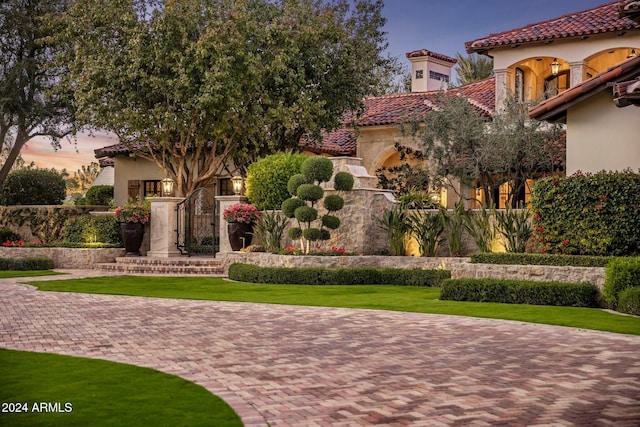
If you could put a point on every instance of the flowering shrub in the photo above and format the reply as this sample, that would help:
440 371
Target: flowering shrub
588 214
241 212
133 212
21 243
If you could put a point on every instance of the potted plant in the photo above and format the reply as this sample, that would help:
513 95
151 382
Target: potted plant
132 217
240 218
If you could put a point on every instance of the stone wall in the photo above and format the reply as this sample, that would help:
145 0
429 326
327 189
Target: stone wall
69 258
460 267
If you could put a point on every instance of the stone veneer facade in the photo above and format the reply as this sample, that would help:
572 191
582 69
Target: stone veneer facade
67 258
460 267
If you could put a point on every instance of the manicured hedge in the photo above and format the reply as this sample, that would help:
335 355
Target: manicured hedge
541 259
629 301
620 274
26 264
337 276
520 292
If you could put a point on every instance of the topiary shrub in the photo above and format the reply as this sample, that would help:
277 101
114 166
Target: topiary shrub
92 229
520 292
620 274
307 191
629 301
588 214
337 276
33 187
8 236
99 195
343 181
267 178
541 259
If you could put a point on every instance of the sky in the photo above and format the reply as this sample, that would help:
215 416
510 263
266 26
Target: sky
441 26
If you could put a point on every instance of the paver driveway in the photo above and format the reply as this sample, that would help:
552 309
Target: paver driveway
304 366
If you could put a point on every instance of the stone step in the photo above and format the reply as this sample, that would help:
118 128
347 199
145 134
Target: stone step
205 266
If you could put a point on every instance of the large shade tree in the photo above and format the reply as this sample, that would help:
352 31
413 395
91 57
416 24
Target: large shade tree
193 84
33 100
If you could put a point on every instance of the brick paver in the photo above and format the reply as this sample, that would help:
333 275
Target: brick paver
307 366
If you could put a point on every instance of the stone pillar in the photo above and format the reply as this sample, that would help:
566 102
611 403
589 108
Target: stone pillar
164 235
503 85
223 203
577 72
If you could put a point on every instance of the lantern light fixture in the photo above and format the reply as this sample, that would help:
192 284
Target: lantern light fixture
237 184
555 67
167 187
632 54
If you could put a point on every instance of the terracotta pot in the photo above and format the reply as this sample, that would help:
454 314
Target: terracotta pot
132 234
240 235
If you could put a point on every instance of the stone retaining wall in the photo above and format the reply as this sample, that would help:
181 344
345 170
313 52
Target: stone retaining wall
71 258
460 267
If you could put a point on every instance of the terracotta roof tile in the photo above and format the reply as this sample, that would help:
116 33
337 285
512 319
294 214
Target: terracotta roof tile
340 142
554 109
629 9
424 52
601 19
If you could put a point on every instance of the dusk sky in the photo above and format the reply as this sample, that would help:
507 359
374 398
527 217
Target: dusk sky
442 26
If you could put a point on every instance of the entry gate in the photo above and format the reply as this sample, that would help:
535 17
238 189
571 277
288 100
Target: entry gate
197 228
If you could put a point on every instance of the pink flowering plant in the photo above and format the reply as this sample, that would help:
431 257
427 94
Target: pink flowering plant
133 212
241 212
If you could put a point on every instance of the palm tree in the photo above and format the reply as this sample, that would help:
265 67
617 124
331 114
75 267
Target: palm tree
472 68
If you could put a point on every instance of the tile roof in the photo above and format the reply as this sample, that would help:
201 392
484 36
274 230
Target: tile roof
598 20
398 108
629 9
555 108
627 93
424 52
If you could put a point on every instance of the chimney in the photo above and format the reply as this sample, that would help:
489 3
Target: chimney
430 70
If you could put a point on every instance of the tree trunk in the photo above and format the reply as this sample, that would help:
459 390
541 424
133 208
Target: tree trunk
21 139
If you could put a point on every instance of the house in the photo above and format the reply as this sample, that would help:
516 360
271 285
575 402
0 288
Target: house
574 64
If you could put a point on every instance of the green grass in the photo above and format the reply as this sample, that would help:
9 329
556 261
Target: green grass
396 298
7 274
102 393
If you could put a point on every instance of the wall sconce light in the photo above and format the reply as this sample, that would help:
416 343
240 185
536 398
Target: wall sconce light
555 67
632 54
237 184
167 187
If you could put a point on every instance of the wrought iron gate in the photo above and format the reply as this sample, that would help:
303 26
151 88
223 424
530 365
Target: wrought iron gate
197 224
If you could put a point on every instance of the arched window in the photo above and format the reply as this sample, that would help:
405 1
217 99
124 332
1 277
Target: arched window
553 85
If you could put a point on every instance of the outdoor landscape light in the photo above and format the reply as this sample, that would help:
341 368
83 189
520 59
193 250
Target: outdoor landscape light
237 184
555 67
167 187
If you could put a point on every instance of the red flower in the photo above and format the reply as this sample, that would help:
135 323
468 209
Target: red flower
598 207
544 250
565 242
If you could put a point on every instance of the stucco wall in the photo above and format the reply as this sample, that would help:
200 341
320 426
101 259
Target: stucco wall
132 168
602 136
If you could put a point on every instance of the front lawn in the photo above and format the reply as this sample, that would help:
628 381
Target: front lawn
396 298
41 389
7 274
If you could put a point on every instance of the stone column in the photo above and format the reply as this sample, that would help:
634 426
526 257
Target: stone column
223 203
163 235
503 85
577 71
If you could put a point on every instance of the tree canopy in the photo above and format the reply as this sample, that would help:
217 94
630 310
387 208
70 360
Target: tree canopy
33 100
472 68
194 84
464 143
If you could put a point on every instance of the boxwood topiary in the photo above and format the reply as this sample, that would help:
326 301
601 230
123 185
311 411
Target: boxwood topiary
306 214
294 182
343 181
289 207
333 203
317 169
310 192
330 221
99 195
